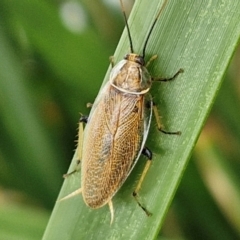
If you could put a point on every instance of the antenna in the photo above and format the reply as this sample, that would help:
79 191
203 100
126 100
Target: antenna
128 30
151 29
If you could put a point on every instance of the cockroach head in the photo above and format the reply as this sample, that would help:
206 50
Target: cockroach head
133 57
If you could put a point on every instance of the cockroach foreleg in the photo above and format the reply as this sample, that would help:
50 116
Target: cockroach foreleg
150 60
111 59
158 79
156 114
148 154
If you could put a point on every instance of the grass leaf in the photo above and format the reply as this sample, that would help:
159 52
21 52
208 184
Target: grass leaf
201 39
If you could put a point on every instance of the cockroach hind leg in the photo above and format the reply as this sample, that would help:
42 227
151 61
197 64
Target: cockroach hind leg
110 204
70 173
77 168
135 195
147 152
78 191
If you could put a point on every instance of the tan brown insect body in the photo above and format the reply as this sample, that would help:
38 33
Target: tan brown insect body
116 130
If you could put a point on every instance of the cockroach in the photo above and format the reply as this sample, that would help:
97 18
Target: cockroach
117 128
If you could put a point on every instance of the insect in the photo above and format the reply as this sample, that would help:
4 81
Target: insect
117 128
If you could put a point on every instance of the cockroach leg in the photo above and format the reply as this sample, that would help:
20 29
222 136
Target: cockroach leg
83 119
170 133
156 114
68 174
150 60
111 59
89 105
77 192
146 151
158 79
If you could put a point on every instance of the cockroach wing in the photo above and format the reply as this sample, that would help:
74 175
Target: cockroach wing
113 140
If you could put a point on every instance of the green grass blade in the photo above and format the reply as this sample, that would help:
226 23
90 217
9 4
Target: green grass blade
200 38
23 135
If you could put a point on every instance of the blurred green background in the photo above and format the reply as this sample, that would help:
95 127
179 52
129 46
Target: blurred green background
53 57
